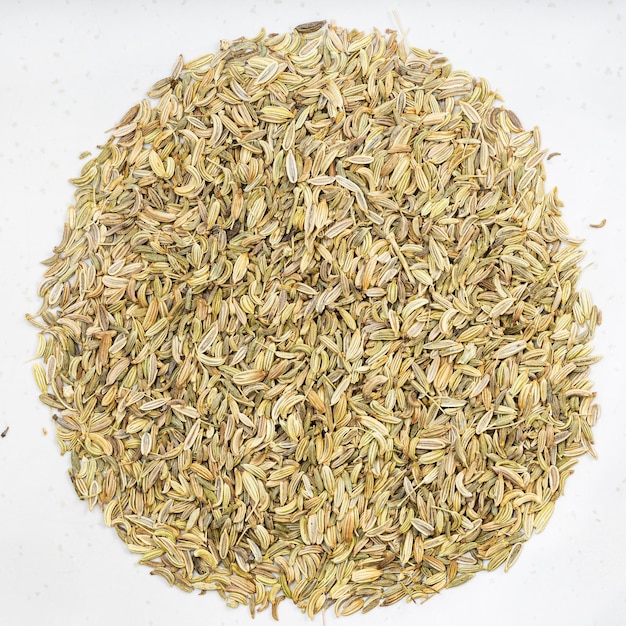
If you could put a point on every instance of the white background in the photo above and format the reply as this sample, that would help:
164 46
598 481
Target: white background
70 70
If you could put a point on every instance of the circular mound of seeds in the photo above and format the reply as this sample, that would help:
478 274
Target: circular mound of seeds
312 330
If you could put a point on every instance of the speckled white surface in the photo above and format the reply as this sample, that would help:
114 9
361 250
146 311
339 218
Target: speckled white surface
70 69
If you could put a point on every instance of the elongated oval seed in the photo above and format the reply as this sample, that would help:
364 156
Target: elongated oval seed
240 267
291 167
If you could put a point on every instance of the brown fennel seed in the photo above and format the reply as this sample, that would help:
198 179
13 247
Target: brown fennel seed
313 328
310 27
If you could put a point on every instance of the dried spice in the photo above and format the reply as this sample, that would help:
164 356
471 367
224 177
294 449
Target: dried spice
313 329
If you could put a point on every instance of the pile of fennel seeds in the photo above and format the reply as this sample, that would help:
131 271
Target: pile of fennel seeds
312 330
